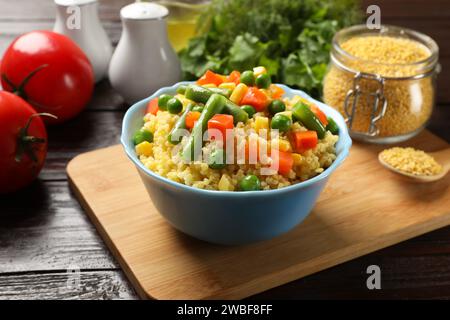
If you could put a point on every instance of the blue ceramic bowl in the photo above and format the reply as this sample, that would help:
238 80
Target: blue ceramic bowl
231 218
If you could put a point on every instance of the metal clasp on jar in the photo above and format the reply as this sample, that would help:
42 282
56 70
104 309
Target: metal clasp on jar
379 103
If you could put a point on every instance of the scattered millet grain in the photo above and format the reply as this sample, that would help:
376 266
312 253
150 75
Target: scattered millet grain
411 161
410 102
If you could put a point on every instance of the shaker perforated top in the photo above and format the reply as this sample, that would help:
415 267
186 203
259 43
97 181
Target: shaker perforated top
144 11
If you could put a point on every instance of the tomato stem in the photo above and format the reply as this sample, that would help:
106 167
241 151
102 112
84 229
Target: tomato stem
20 89
26 142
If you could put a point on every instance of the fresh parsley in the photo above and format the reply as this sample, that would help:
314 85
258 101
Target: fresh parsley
291 38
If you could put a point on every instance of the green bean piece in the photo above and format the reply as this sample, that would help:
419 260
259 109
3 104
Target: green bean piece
201 95
332 126
197 93
198 108
214 105
301 112
179 125
238 114
225 92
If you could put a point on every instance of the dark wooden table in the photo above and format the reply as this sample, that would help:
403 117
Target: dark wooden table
44 231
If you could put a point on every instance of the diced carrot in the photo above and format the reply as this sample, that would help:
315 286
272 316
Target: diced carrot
276 91
220 122
210 78
235 77
304 140
191 118
252 150
285 162
255 98
319 114
152 106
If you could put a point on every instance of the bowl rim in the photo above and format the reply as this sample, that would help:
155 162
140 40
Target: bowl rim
344 138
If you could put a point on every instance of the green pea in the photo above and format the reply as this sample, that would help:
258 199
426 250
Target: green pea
250 183
276 106
332 126
174 106
248 78
181 89
142 135
198 108
263 81
249 109
162 101
217 159
281 122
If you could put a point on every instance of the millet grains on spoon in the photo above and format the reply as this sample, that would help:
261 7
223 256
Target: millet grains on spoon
411 161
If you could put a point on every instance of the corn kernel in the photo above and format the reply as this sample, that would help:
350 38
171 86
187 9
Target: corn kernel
144 149
228 85
225 184
281 144
284 145
259 71
261 123
297 159
297 99
238 93
209 85
185 101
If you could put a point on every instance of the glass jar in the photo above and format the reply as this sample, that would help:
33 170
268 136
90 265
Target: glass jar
182 19
382 102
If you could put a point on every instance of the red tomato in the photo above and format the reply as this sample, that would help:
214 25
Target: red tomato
64 81
22 150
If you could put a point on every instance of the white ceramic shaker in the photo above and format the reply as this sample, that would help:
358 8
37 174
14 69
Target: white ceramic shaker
144 60
78 19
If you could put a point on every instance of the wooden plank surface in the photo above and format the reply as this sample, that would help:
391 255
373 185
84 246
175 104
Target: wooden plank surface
98 285
418 268
364 208
49 233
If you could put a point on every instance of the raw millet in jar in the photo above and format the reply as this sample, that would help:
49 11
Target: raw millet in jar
410 102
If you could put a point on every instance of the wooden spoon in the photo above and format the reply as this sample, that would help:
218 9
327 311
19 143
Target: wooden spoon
442 157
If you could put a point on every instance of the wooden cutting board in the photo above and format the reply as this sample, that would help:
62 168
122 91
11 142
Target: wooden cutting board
363 208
